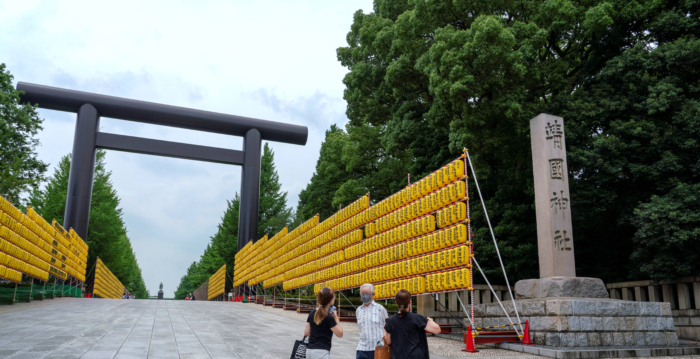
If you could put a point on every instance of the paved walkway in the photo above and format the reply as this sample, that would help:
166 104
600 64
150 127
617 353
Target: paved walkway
117 328
105 328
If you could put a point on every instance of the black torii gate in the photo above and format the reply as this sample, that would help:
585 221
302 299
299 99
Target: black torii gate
90 107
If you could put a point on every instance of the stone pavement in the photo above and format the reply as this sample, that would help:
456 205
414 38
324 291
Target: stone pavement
117 328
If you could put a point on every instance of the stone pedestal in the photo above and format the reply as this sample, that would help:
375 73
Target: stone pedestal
160 294
552 287
425 305
578 322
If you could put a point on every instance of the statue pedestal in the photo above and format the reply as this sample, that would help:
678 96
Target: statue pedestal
160 294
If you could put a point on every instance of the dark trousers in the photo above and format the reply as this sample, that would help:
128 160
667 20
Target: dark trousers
365 354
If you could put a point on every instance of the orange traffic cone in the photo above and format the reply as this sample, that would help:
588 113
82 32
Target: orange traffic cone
469 341
526 334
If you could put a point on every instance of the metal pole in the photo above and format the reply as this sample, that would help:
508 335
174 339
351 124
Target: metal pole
250 188
82 169
471 249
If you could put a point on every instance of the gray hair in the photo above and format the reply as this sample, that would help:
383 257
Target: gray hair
371 287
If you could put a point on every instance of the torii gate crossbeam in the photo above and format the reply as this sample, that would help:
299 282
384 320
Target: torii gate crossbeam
90 107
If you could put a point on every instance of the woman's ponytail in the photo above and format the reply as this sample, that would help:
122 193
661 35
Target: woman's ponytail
403 300
324 298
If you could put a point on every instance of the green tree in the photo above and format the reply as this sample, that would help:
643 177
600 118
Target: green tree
667 241
189 282
330 174
428 78
106 236
273 212
633 134
20 169
226 238
274 216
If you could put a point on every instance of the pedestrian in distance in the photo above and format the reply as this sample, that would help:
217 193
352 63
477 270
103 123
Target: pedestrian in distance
405 331
371 318
321 324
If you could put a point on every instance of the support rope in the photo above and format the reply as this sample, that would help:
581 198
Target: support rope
494 239
465 311
448 311
494 295
346 298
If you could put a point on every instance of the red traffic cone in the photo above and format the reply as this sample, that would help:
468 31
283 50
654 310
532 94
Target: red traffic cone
469 341
526 334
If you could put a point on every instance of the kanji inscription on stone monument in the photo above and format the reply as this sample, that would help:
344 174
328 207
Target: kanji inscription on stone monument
554 235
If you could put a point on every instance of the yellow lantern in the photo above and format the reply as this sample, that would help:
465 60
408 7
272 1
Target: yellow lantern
461 231
460 211
443 259
453 172
459 168
449 238
440 240
441 177
459 278
420 265
419 285
466 275
461 189
446 174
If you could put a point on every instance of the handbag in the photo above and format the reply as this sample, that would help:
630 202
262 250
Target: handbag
299 351
383 352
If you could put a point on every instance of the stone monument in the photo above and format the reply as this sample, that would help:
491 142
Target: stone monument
572 316
160 291
555 238
564 310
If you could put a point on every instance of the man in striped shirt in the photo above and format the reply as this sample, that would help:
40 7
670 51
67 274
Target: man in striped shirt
371 318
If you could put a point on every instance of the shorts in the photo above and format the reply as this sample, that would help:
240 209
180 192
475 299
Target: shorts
318 354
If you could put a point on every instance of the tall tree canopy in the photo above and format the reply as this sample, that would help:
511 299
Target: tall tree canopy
273 212
274 216
107 234
429 78
20 169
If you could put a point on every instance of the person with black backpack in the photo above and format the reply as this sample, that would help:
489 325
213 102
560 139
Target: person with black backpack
321 324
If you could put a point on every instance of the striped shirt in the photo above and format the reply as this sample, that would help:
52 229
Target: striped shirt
370 320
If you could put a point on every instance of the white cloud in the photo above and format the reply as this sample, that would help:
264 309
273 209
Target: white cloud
272 60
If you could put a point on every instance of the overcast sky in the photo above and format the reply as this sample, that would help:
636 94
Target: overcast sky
273 60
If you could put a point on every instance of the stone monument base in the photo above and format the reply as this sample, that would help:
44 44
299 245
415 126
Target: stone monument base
603 352
576 287
586 322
